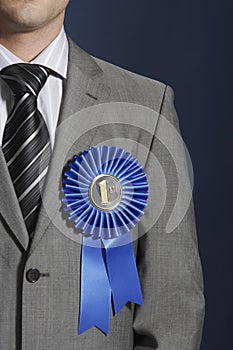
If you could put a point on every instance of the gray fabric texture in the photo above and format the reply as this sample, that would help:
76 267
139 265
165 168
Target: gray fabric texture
44 315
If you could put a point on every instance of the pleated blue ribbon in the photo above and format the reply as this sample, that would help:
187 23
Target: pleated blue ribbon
106 214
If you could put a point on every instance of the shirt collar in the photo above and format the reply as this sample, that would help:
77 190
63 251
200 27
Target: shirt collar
54 56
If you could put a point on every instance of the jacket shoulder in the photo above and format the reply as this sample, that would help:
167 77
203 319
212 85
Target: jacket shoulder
132 87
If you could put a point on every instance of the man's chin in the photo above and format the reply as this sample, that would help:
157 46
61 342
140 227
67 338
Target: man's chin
24 24
26 16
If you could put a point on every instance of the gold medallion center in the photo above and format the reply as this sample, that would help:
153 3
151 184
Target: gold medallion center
105 192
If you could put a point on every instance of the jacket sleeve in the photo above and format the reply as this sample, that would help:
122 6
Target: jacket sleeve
168 261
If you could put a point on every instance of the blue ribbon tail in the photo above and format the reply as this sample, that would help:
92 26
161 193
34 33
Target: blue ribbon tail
123 274
95 298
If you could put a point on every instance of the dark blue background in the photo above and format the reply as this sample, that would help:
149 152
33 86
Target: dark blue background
188 45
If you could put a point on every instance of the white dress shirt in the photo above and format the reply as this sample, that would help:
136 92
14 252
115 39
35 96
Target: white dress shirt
54 56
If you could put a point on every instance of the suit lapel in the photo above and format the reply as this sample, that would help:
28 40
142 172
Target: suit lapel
9 206
83 88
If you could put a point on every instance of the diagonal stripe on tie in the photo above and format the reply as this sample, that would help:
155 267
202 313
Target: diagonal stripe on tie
26 142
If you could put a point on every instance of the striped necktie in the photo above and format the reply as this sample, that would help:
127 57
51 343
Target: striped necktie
26 142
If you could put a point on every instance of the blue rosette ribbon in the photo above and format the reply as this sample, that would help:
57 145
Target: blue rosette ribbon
105 194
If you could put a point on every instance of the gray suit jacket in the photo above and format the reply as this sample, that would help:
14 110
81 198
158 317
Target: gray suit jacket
103 104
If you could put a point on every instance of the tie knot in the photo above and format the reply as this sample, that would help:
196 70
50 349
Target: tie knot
25 77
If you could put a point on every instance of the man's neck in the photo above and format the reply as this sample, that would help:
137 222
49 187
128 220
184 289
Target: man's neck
29 45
